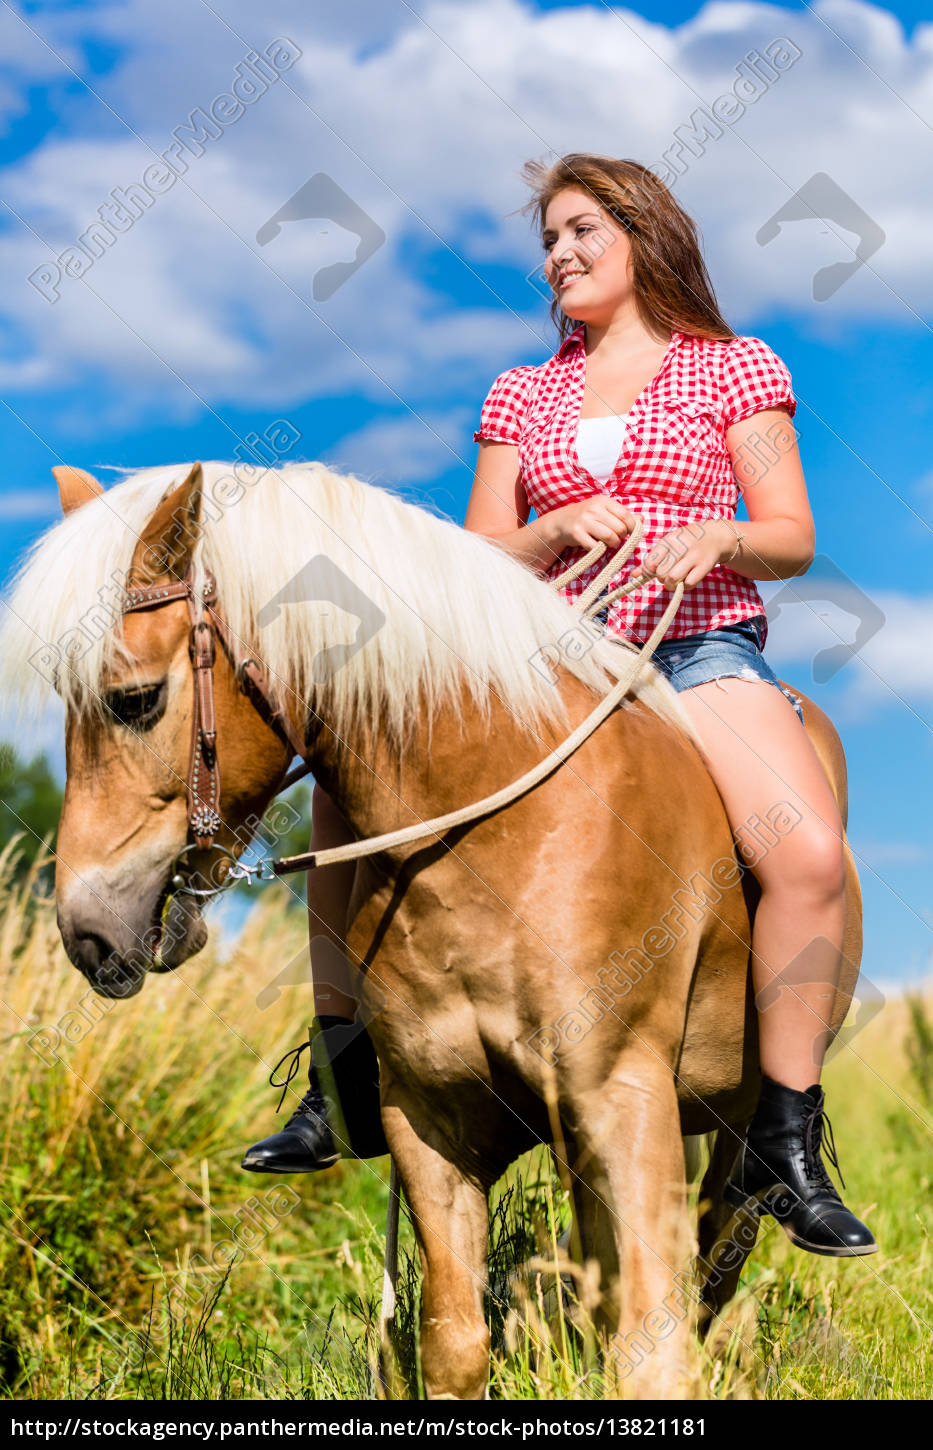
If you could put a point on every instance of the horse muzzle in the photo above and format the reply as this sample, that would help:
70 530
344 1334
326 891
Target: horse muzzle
114 942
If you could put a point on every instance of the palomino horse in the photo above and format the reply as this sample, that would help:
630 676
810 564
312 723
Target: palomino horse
572 969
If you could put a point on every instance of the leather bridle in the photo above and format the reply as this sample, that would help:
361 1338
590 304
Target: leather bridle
203 785
204 820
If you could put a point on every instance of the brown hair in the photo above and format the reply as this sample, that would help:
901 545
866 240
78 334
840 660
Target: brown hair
672 286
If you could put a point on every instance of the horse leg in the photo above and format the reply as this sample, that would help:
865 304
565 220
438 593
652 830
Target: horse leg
632 1215
726 1237
450 1215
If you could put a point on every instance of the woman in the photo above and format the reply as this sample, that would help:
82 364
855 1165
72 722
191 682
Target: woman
653 406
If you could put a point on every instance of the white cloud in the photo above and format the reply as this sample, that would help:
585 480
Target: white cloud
892 668
25 60
403 451
433 120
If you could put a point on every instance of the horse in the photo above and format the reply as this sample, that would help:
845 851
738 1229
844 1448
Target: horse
572 969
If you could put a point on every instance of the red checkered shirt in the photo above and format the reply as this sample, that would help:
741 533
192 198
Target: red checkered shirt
674 467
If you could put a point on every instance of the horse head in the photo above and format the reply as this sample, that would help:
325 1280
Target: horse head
123 909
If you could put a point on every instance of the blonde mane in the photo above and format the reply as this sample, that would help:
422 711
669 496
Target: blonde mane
449 618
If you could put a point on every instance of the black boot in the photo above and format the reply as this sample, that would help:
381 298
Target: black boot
779 1171
338 1115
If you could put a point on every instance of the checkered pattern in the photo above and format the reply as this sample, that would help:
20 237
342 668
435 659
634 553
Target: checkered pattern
674 467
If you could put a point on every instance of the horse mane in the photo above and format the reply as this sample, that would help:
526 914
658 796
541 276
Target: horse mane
293 555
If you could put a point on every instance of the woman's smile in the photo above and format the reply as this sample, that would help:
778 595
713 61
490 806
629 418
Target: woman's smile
571 275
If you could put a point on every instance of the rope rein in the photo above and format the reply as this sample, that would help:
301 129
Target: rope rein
585 606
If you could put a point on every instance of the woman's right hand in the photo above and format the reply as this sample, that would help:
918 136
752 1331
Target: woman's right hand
599 519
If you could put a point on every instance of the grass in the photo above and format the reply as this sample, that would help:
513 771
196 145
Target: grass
137 1260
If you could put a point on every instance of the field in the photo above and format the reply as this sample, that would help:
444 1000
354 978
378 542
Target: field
138 1261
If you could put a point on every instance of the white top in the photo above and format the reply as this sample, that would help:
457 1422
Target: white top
599 443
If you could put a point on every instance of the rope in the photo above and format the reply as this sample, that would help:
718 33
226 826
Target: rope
585 606
391 840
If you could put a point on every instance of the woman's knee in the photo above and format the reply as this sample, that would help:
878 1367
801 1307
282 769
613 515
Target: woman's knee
809 862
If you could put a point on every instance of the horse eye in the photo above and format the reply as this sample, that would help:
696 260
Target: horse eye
138 709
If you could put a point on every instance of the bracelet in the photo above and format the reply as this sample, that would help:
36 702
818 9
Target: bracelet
739 540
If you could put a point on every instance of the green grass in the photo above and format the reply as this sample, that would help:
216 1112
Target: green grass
121 1188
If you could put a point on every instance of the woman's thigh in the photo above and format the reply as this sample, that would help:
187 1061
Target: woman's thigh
768 771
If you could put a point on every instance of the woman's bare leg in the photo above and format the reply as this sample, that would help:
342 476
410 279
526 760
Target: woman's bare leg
329 889
760 756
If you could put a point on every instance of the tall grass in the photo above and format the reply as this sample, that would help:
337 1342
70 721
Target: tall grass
137 1260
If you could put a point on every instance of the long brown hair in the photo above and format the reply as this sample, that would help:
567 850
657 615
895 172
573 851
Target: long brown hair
672 286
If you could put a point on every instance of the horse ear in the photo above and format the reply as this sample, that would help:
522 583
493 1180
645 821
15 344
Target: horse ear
166 543
75 487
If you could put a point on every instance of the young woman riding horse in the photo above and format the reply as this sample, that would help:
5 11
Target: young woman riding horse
651 406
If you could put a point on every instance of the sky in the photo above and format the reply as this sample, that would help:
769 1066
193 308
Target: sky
180 322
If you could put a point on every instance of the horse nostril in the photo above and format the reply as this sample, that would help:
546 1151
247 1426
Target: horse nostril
108 973
92 951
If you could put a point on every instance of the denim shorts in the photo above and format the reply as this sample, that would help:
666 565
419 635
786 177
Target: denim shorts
734 650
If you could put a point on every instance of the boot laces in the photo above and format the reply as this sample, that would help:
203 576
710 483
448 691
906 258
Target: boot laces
818 1134
293 1058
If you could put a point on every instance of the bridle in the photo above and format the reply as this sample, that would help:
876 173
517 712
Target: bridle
203 784
204 821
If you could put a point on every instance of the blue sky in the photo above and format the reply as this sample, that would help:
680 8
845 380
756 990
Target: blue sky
187 334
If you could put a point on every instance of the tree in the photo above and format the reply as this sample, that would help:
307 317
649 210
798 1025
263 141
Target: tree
30 803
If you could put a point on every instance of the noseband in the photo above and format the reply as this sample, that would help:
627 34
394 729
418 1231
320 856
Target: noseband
204 820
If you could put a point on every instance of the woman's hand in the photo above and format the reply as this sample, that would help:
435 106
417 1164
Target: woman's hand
599 519
688 554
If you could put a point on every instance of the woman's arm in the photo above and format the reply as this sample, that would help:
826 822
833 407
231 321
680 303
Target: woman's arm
779 537
498 503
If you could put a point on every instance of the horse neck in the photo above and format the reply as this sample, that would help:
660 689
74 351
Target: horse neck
445 764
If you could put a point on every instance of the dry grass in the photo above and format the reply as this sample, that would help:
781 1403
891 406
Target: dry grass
122 1194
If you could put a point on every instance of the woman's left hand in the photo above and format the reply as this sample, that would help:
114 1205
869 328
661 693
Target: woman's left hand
688 554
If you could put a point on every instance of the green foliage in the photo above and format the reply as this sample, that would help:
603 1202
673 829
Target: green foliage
30 805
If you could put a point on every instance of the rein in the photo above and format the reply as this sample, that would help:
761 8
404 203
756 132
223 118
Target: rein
203 784
204 821
585 606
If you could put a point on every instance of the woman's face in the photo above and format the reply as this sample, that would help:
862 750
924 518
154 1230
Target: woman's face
588 259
